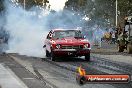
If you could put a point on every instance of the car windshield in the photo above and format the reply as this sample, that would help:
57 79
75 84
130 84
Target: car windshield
67 33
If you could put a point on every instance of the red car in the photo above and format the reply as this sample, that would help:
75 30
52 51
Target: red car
63 42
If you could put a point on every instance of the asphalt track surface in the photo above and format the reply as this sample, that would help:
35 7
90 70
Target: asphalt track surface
43 73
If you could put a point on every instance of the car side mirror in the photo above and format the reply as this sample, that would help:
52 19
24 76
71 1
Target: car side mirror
44 46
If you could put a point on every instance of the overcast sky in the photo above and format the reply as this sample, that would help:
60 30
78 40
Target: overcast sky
57 4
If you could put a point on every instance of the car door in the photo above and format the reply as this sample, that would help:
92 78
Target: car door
47 41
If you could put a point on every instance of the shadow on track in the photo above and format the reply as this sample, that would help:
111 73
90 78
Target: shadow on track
67 59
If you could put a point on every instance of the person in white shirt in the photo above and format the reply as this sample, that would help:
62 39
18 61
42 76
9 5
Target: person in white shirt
113 38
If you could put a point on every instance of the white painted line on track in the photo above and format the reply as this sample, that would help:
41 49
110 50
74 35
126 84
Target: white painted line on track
8 79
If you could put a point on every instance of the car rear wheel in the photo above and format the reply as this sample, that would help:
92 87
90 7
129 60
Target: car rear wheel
87 57
52 56
47 53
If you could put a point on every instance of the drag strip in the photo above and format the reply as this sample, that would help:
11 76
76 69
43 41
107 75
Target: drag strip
73 63
30 79
63 71
97 66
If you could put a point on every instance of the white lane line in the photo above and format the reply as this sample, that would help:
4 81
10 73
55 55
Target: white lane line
8 79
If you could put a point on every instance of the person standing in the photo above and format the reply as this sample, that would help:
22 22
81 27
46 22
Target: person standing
113 38
116 35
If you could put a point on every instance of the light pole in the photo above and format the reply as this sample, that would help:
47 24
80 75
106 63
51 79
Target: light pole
24 3
116 13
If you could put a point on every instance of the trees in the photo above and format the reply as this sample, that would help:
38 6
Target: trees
30 3
41 2
101 11
124 9
1 5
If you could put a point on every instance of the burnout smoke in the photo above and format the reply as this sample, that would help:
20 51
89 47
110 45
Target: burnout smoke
27 34
28 29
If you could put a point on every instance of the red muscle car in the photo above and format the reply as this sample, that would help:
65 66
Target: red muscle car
66 42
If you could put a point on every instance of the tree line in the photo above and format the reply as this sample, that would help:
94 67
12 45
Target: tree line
101 12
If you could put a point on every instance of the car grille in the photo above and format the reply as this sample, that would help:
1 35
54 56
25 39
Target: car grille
72 47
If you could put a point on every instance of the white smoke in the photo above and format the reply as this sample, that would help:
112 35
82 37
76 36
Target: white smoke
28 29
27 33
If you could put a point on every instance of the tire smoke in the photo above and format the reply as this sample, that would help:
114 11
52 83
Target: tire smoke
29 28
27 31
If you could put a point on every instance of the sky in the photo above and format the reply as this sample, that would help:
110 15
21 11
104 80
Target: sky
57 5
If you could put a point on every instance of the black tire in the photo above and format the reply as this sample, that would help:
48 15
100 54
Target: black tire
120 48
47 53
52 56
87 57
129 48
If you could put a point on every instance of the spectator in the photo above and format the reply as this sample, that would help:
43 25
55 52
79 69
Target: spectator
116 35
113 38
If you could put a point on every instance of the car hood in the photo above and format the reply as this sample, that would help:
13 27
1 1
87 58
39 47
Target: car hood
70 40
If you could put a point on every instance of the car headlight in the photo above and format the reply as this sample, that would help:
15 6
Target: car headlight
58 46
86 45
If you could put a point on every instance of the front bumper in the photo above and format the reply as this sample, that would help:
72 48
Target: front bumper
71 52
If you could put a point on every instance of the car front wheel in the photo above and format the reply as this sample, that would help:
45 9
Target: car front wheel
87 57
